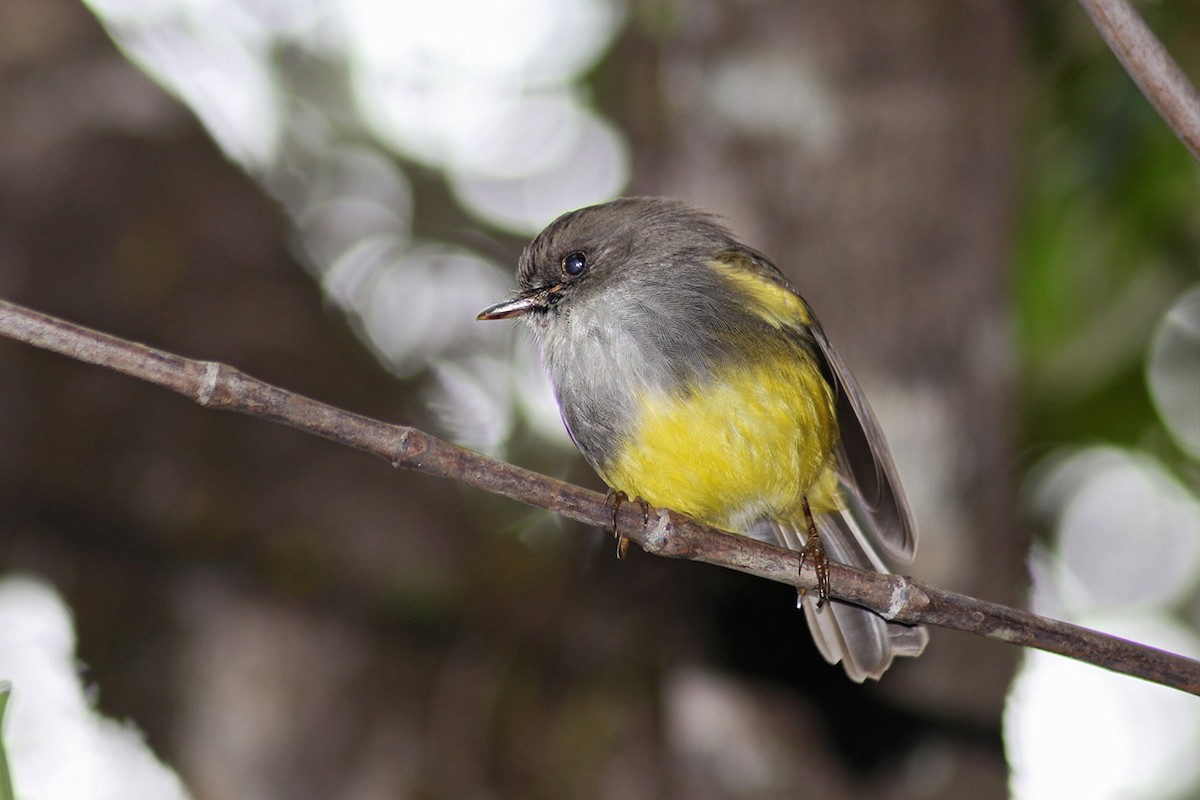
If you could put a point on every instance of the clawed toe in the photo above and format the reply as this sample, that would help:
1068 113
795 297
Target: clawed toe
616 499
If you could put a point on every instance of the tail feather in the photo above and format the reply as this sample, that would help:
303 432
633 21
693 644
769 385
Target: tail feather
861 640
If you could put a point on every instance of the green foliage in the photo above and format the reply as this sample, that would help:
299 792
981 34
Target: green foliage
1108 237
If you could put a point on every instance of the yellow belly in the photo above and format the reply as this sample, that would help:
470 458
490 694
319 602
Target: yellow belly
751 443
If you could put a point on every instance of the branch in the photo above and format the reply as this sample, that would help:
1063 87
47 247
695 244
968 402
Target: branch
902 599
1150 66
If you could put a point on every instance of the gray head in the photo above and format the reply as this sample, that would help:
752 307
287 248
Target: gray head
621 298
653 238
628 248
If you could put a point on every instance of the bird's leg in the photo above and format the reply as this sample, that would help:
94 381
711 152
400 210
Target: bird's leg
616 498
816 551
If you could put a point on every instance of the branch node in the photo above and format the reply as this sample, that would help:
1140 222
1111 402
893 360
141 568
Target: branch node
901 588
657 537
208 385
404 454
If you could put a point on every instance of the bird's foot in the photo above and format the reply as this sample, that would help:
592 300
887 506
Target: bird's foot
814 552
616 499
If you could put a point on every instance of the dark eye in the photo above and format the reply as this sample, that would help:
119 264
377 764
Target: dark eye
574 263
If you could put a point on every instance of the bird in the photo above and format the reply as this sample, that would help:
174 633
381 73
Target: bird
692 375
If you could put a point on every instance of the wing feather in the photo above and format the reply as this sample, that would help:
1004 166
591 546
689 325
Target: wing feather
865 461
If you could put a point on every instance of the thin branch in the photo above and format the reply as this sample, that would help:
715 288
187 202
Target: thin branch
1150 66
218 386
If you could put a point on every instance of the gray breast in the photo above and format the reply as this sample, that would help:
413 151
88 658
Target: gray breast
602 352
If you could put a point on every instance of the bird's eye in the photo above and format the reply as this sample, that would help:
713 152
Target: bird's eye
574 263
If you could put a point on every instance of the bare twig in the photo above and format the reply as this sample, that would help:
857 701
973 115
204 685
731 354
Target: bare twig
1150 66
902 599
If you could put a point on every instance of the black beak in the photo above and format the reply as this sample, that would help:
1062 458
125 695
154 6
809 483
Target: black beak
519 306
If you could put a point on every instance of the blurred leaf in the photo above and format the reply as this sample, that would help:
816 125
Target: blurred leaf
1173 372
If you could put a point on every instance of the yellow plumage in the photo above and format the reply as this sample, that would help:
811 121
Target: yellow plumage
747 444
774 303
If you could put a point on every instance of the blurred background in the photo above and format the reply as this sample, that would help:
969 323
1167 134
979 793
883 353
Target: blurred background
997 231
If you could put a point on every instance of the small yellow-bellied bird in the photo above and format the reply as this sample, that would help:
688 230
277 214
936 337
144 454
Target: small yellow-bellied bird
691 374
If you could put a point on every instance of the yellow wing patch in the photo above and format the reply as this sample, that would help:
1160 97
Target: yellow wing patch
775 303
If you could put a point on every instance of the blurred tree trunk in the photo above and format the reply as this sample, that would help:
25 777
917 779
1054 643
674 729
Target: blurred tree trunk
868 148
